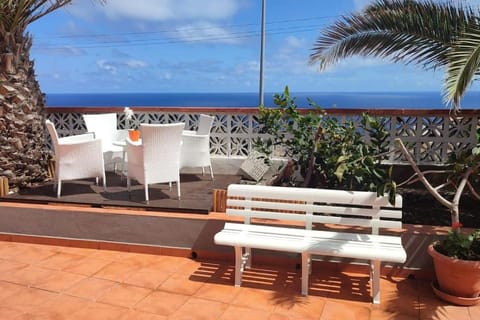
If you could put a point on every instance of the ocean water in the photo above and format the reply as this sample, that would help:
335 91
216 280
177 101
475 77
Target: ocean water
386 100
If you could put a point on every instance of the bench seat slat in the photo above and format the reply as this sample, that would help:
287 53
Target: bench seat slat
338 244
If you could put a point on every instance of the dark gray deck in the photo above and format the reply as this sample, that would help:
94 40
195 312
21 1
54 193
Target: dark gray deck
196 192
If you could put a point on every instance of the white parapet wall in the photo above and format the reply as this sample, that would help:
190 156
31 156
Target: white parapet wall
431 135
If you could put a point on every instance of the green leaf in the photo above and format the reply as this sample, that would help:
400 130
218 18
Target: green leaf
340 171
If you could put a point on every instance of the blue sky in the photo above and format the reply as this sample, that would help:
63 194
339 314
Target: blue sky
203 46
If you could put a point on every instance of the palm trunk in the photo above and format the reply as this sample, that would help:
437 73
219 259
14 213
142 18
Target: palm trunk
24 155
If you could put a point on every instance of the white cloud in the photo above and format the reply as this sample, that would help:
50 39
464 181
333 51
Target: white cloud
204 31
295 42
136 64
162 10
107 66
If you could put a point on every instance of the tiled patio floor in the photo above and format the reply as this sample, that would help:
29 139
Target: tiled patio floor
55 282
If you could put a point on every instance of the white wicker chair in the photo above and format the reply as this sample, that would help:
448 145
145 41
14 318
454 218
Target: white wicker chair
76 157
196 145
104 126
156 159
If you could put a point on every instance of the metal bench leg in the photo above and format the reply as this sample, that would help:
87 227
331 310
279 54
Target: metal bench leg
305 272
375 280
238 266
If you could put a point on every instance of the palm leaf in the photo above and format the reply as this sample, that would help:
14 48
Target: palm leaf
401 30
464 64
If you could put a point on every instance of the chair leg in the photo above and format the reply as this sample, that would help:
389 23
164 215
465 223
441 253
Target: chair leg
146 193
59 188
211 172
178 189
104 178
96 181
128 184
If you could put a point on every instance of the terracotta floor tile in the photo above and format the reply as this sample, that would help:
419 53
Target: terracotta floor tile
28 299
90 288
243 313
474 312
299 307
141 260
32 255
200 309
162 303
8 289
340 286
400 297
147 278
187 266
214 273
9 314
392 315
9 250
58 281
60 307
110 255
124 295
60 260
335 310
218 292
86 266
180 283
115 271
7 267
168 264
99 311
138 315
445 312
256 299
29 275
77 251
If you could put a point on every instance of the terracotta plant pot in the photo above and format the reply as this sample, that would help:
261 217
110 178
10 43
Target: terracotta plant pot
456 277
134 135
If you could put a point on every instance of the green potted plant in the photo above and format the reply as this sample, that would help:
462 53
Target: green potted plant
456 261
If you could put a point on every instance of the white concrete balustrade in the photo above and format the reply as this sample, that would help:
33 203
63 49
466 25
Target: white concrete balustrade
430 134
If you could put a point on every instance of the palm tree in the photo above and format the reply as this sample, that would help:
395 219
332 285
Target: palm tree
426 33
23 153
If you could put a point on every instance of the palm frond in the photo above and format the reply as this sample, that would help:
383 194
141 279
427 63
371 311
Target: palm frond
463 65
401 30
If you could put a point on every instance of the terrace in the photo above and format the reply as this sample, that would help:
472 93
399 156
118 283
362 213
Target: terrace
91 253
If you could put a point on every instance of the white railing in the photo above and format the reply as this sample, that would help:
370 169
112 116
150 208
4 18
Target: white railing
431 135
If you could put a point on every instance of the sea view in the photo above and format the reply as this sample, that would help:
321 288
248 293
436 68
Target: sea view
387 100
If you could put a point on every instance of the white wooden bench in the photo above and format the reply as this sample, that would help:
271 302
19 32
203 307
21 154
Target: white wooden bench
306 210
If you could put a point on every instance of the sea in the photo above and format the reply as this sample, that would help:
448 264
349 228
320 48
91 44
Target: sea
326 100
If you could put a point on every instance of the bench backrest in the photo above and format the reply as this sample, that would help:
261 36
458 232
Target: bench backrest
309 205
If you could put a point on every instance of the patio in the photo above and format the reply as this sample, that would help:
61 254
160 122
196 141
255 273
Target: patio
56 281
107 255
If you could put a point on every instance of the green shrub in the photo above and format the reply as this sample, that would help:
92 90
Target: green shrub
327 152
